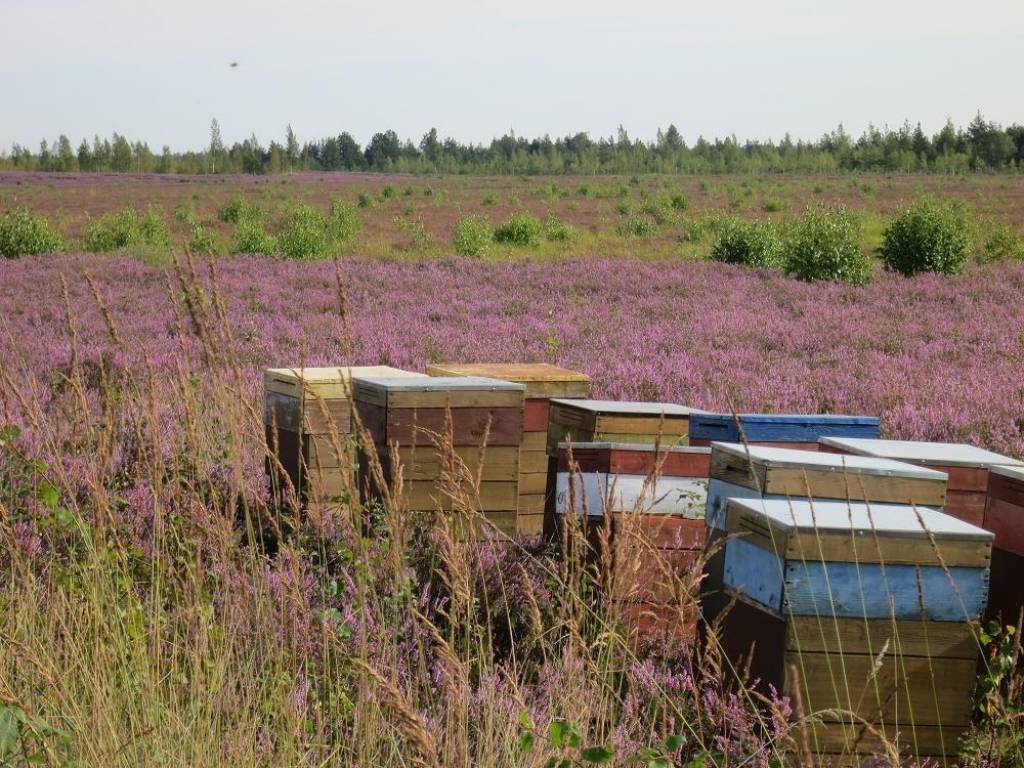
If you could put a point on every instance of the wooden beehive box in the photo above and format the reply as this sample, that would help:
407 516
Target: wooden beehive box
596 421
419 424
800 431
307 413
1004 517
767 472
966 465
887 592
543 382
654 500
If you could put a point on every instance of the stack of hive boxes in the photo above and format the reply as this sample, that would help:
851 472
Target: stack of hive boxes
966 466
797 431
765 472
865 611
542 382
439 431
1004 517
653 501
307 413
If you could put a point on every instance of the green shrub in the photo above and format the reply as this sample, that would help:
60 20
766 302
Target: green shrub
638 226
624 208
710 223
343 223
928 236
24 234
522 229
489 199
680 203
408 191
1001 244
660 209
250 237
304 234
753 243
557 231
825 245
387 192
127 228
772 205
239 209
473 236
204 241
363 200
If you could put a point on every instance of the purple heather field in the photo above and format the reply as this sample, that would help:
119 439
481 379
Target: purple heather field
936 358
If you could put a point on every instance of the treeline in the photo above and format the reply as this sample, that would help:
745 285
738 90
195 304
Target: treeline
980 146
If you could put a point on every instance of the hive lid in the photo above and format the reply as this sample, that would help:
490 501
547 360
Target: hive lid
638 447
438 383
438 392
520 372
883 519
789 418
326 381
630 408
922 452
789 458
1014 473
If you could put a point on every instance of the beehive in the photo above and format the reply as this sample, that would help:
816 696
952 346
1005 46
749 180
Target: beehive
865 608
542 382
597 421
414 422
966 466
654 501
307 414
767 472
1004 517
799 431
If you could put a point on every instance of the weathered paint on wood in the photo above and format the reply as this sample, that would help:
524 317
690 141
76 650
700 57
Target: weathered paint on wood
427 426
326 382
636 459
780 428
535 415
533 461
1004 513
597 493
611 421
813 447
854 590
425 462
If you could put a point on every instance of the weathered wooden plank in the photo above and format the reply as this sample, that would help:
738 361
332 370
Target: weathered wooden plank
469 426
531 503
663 532
448 392
493 496
829 739
1004 513
426 462
535 441
656 622
922 452
535 415
603 493
533 482
533 461
542 380
529 524
310 415
938 639
667 427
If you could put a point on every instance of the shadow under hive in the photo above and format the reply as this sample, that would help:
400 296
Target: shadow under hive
1004 517
654 501
966 466
307 414
542 382
439 431
784 430
865 610
770 473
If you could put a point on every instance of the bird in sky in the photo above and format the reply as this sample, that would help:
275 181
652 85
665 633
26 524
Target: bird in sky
234 64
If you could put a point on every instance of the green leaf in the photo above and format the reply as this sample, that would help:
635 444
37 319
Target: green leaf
597 754
659 762
48 494
558 730
525 721
675 742
526 742
9 434
10 729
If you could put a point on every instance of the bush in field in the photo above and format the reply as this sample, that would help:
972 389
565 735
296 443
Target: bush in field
387 192
825 245
204 241
638 226
522 229
127 228
679 202
753 243
1001 244
473 236
238 209
709 223
343 223
24 234
304 234
250 237
363 200
928 236
557 231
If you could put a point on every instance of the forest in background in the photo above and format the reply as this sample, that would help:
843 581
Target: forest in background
980 146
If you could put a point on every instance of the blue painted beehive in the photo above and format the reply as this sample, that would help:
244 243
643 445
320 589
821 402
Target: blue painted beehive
848 560
791 428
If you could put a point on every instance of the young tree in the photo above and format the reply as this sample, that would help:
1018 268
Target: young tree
291 148
65 155
216 145
85 157
121 154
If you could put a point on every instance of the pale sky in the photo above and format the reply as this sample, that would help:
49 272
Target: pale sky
159 71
